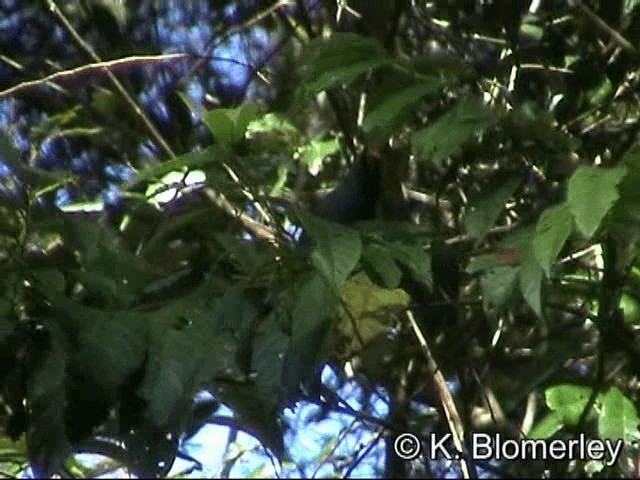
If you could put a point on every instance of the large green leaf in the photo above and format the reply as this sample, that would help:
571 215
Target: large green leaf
198 159
337 249
313 154
498 286
111 345
315 302
531 276
229 125
391 111
107 265
269 348
367 308
485 211
339 60
414 257
547 427
191 343
618 418
381 266
255 412
569 401
47 442
590 195
552 231
468 118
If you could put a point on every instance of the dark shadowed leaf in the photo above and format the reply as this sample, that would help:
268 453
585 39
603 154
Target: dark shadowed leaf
256 413
339 60
484 212
337 249
468 118
390 112
381 266
498 286
531 276
47 442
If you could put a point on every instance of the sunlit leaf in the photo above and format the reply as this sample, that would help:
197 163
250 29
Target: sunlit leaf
552 231
618 418
569 402
590 195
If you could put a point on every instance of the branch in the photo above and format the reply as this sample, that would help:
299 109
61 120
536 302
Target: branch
78 72
606 28
132 103
446 400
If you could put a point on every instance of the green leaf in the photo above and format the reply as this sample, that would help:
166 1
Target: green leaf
337 249
531 27
552 231
550 424
47 442
390 112
339 60
256 413
598 94
269 348
192 342
313 154
618 417
531 276
590 195
368 307
468 118
498 286
414 257
111 344
198 159
485 212
630 6
569 401
116 272
381 266
272 133
315 303
229 125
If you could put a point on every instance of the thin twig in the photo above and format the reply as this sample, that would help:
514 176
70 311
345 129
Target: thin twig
231 31
111 65
448 405
605 27
127 97
216 198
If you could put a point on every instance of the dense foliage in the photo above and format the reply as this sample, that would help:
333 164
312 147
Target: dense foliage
165 228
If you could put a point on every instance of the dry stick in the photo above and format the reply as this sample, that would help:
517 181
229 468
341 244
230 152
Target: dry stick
63 75
605 27
132 103
231 31
448 405
216 198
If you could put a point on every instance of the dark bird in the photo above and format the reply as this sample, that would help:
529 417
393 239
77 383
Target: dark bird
356 196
